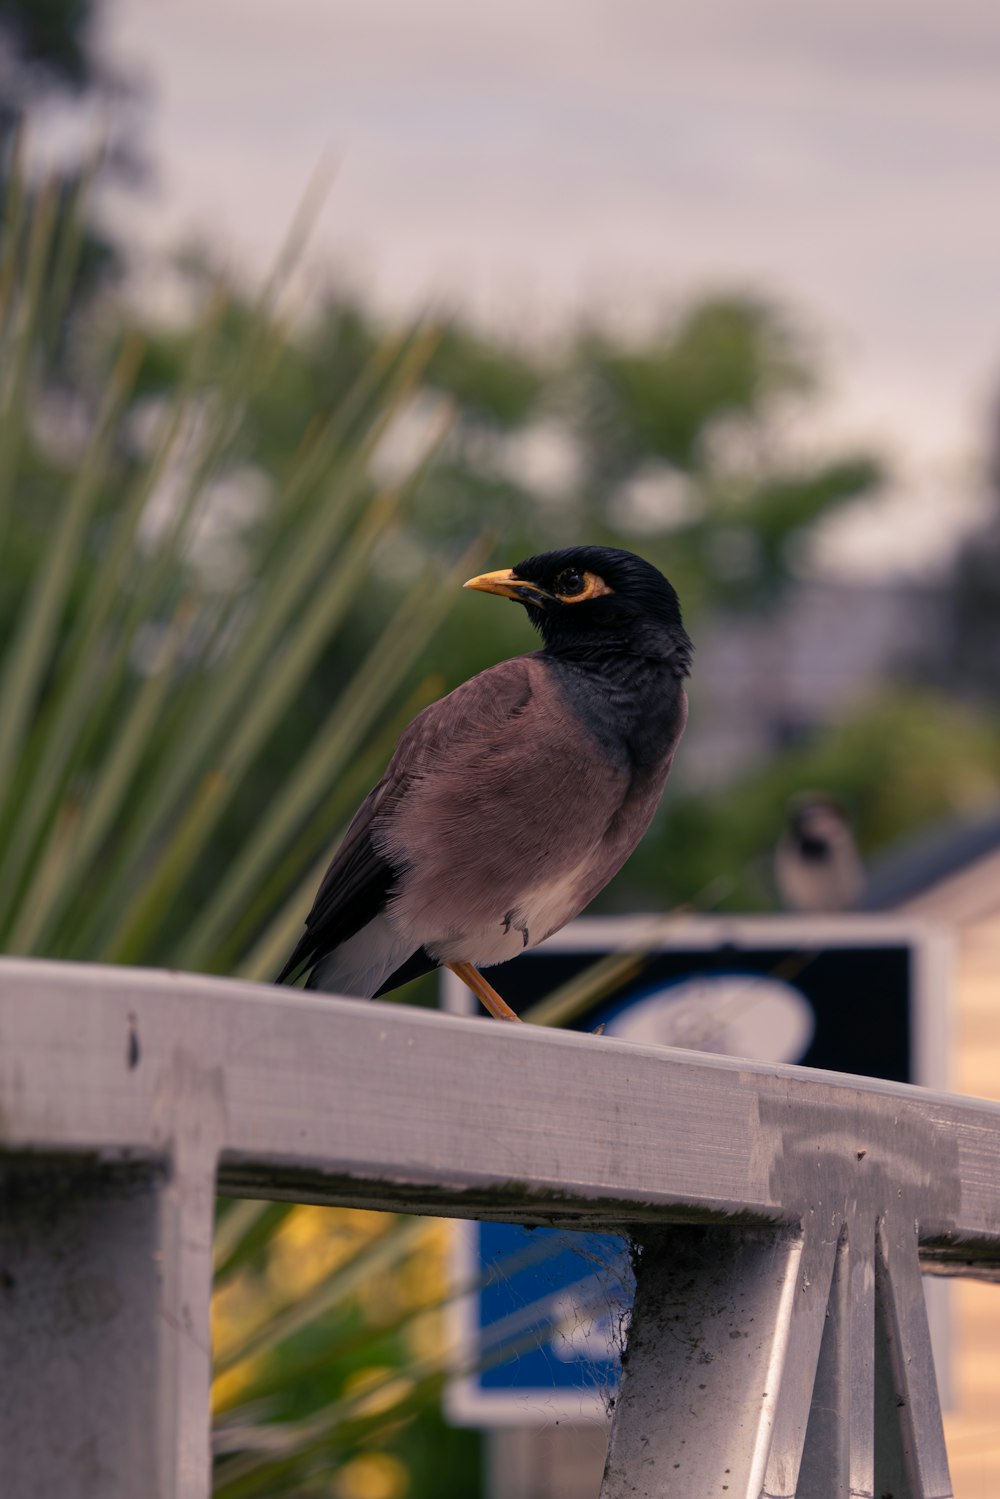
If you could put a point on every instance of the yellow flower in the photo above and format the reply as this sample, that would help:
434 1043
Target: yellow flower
229 1386
387 1389
313 1241
238 1308
372 1475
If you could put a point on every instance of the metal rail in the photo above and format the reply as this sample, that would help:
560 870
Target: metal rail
779 1341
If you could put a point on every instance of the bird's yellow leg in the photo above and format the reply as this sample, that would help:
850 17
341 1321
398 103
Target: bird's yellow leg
484 992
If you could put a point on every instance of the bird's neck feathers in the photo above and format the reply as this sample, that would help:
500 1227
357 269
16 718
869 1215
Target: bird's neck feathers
634 704
622 652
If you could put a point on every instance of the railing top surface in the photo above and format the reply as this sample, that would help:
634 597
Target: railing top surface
340 1100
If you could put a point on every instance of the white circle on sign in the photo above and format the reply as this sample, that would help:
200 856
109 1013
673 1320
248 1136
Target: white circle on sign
735 1014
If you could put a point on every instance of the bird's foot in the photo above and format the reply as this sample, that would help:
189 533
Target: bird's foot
518 926
483 991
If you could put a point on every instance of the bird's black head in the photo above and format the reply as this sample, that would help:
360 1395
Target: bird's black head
591 600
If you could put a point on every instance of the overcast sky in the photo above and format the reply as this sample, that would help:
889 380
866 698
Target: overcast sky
538 157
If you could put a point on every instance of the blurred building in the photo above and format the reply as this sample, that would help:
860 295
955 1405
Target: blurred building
952 876
765 682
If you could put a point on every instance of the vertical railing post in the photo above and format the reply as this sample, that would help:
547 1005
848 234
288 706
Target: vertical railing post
101 1291
703 1364
105 1296
769 1364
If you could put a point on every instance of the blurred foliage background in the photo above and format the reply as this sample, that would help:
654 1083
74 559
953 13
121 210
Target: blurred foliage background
231 546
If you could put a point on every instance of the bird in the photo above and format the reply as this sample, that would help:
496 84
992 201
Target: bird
816 863
511 802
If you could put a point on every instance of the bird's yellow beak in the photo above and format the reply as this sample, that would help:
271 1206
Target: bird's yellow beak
508 586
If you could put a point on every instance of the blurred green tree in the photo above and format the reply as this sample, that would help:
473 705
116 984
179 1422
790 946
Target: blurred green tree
48 47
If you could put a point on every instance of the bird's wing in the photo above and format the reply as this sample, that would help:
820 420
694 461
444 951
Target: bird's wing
361 876
353 889
518 801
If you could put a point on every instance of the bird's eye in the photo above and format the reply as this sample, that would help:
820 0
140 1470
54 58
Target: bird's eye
569 582
573 587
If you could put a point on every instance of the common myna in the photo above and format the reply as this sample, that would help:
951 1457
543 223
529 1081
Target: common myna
511 802
816 863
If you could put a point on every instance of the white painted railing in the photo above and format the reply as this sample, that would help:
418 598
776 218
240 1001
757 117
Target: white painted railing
779 1341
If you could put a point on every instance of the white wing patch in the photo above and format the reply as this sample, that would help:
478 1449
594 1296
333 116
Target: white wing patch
361 965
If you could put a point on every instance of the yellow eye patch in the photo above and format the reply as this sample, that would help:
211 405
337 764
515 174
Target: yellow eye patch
571 587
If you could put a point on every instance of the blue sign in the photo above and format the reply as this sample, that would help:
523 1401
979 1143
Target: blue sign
548 1311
